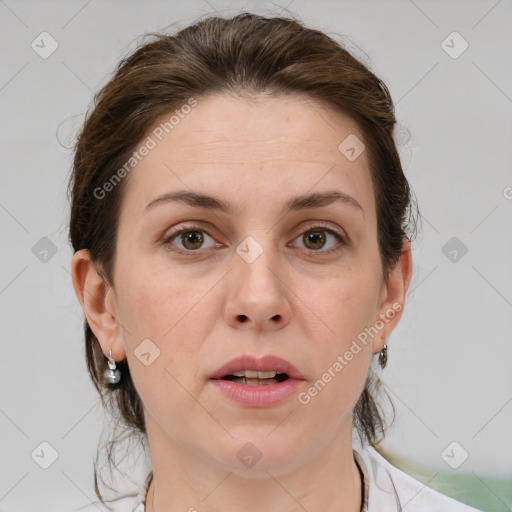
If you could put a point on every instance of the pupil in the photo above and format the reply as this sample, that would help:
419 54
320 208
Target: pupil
194 237
317 237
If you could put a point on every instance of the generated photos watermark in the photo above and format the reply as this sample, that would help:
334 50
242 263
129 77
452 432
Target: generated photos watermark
343 360
150 142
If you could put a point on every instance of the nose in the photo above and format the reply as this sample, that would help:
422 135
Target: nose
258 294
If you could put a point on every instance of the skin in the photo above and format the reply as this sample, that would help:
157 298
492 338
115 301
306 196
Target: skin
300 302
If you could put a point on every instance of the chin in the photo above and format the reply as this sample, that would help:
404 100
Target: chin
256 456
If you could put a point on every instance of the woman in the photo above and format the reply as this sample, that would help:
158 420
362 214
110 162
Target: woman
242 252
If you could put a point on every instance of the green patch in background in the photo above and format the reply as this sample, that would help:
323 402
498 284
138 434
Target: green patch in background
487 493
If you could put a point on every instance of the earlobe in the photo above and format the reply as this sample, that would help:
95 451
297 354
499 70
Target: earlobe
98 303
393 296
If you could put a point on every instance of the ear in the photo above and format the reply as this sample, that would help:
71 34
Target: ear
98 302
392 296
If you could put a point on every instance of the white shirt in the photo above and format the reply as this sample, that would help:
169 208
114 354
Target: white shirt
389 489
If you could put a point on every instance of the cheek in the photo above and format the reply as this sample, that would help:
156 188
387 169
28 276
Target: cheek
346 307
345 304
172 311
342 356
173 316
157 302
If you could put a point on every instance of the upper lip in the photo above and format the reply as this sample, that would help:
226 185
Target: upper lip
264 364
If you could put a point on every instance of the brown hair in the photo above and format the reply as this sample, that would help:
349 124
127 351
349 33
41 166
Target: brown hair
246 54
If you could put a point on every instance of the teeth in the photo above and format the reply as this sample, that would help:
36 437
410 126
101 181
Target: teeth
251 374
255 382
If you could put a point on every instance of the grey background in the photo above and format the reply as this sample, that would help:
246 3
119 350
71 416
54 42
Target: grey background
449 360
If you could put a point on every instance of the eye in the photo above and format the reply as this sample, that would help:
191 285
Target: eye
191 238
317 238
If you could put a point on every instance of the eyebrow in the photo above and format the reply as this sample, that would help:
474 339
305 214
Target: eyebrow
301 202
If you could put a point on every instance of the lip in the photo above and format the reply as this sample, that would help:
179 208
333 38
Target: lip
264 364
265 395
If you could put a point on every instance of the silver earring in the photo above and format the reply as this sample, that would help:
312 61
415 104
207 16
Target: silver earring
112 375
383 356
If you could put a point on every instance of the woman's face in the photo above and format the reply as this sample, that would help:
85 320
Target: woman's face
270 273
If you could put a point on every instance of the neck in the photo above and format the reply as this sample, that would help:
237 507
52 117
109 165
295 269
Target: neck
185 481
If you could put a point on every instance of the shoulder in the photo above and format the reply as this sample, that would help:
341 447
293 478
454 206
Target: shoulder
124 504
131 502
392 489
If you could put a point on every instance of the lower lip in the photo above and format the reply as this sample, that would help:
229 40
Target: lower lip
265 395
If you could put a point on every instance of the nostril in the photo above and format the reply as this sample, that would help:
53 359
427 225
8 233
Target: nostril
242 318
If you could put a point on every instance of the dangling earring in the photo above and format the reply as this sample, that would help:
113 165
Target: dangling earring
112 375
383 356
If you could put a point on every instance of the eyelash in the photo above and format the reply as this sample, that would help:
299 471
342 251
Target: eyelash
171 236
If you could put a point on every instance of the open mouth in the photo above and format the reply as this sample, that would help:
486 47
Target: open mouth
238 378
251 382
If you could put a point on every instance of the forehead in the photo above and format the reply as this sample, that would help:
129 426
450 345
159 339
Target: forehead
268 144
260 121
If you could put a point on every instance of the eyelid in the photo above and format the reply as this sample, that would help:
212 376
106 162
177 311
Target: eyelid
325 226
169 235
328 226
342 237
